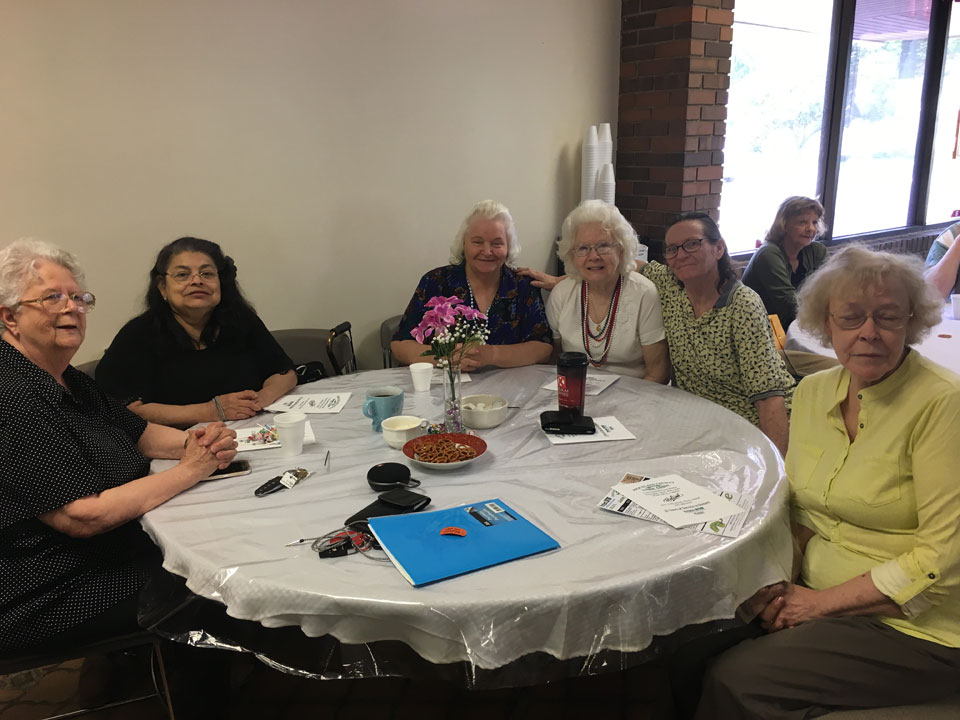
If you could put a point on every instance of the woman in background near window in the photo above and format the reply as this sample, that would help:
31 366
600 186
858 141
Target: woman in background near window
788 255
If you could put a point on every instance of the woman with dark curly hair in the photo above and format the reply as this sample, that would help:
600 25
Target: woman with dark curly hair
199 352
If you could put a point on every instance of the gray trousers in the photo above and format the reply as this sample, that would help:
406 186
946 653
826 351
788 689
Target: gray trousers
825 665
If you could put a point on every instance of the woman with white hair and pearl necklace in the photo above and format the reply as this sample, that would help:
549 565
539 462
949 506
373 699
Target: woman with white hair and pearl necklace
480 274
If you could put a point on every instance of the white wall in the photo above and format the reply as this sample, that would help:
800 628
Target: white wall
332 147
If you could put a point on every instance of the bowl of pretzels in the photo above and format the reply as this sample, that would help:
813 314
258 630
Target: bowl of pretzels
445 451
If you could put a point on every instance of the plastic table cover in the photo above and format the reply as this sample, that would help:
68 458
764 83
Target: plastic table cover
616 583
941 344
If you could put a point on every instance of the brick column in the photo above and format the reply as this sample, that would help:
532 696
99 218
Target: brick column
674 75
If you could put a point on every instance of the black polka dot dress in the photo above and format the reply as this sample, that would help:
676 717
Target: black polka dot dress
57 446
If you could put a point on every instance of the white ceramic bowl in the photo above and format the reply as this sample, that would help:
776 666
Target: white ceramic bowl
483 411
397 430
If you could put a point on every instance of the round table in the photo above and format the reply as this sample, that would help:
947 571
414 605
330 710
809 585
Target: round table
616 583
942 343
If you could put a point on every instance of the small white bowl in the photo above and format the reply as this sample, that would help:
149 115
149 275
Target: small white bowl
483 411
399 429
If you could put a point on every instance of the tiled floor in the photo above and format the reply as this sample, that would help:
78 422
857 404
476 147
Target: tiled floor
262 693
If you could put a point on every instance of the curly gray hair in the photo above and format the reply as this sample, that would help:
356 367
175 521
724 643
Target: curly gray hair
614 225
856 269
18 267
487 210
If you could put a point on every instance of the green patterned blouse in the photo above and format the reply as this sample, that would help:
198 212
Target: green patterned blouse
726 355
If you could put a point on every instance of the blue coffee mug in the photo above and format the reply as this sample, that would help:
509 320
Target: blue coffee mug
381 403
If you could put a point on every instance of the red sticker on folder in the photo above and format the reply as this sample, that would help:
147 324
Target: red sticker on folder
453 531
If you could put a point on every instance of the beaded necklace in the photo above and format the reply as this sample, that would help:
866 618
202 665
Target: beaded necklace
604 332
473 301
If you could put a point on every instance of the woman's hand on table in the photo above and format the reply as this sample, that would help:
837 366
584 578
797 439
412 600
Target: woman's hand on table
198 459
476 357
219 440
240 405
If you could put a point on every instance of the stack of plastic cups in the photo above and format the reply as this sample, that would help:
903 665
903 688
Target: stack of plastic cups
589 164
605 144
606 188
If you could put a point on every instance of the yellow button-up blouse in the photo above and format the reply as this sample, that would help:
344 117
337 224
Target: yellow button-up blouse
889 502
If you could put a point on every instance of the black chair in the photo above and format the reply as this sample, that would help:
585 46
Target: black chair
340 349
387 328
29 661
307 348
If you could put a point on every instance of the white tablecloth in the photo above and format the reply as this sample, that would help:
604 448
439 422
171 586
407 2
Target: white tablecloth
615 584
942 344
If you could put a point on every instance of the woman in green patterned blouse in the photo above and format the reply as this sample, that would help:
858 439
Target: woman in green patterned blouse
721 344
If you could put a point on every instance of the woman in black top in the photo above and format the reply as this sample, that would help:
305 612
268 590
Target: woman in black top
199 352
73 466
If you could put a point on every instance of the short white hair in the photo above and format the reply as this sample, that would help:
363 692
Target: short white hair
487 210
613 224
18 267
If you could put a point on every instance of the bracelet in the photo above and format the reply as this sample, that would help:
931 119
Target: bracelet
219 408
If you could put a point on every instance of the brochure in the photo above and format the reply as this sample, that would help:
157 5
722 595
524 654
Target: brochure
675 500
729 526
323 403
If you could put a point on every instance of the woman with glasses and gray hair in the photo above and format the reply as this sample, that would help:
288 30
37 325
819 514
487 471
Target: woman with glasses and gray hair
603 308
74 467
481 274
788 255
872 615
199 352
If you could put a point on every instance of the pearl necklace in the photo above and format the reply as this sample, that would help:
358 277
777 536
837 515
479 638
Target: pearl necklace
473 301
605 329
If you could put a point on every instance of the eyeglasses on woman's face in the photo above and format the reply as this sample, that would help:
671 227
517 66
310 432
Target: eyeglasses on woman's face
884 319
689 246
602 248
182 277
56 301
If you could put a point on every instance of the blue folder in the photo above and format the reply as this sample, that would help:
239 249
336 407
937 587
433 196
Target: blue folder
494 534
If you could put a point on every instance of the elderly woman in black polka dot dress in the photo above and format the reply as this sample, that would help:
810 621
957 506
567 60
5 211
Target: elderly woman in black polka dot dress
74 472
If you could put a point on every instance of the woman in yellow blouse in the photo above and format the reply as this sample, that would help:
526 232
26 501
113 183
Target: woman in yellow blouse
873 619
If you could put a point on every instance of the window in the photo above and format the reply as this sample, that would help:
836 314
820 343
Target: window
881 115
777 78
944 198
842 100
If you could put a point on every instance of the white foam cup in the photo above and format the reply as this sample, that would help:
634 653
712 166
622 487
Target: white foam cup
290 429
421 373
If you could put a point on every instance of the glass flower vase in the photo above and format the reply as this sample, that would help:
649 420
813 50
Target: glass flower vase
452 422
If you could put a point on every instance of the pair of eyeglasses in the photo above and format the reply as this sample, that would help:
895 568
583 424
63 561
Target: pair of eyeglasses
689 246
55 302
884 321
182 277
604 248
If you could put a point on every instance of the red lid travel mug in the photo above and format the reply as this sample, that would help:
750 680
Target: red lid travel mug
571 381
